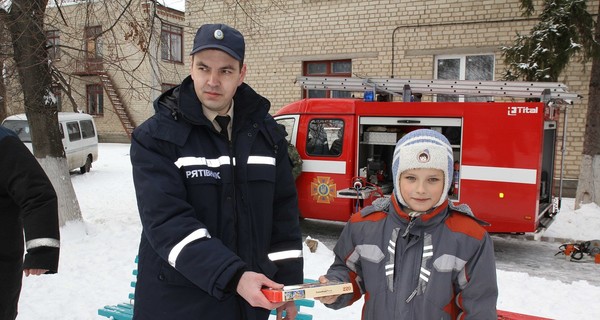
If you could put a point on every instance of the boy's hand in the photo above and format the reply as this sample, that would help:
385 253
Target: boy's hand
326 299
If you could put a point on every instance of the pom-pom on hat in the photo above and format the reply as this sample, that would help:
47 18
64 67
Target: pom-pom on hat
423 148
222 37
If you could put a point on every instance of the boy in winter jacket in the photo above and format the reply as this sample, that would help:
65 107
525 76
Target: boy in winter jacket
415 255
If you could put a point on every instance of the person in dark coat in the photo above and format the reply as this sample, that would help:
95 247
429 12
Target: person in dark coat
28 205
215 193
294 155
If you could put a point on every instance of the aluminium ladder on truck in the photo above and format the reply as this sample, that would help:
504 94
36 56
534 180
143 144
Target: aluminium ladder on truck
554 92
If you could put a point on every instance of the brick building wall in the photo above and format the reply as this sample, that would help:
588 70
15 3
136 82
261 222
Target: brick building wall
382 38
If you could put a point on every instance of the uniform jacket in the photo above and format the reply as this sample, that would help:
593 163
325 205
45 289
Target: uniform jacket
211 208
443 267
27 203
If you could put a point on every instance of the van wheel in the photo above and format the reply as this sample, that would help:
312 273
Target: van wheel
87 166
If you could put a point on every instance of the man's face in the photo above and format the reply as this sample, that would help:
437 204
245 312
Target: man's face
216 77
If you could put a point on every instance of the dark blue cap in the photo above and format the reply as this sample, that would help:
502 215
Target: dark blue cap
222 37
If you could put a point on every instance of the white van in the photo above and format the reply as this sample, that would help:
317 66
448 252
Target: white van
79 137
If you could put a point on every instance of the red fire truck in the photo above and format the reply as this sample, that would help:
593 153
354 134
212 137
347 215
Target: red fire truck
505 151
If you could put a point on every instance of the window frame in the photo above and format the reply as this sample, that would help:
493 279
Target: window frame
169 32
93 43
327 129
53 44
74 135
57 92
462 74
164 87
87 129
95 92
329 64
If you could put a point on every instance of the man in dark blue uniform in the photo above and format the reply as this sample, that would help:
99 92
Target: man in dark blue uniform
215 193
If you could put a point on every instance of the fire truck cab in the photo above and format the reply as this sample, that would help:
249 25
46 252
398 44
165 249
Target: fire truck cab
504 152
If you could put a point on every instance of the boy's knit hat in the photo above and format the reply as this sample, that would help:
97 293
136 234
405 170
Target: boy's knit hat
423 148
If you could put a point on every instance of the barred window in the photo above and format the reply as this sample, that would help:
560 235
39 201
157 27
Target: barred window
171 43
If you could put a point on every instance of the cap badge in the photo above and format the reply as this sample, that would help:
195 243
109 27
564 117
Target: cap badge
218 34
423 156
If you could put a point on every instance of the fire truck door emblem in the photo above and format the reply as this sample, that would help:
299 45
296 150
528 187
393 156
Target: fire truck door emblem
323 189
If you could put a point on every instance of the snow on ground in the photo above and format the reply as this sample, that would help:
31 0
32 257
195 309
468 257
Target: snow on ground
97 257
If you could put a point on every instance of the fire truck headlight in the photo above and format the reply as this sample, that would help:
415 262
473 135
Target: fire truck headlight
501 195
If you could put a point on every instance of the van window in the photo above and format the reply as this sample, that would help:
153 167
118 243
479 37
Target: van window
73 131
288 123
321 133
21 127
87 129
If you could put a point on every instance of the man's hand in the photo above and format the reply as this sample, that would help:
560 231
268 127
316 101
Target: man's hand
249 289
34 272
290 311
326 299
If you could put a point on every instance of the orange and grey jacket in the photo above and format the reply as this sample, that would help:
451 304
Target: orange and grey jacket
439 265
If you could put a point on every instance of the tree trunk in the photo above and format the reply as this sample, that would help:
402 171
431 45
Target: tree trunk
26 25
588 187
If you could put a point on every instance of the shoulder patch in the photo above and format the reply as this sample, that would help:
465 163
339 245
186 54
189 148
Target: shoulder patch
459 222
466 210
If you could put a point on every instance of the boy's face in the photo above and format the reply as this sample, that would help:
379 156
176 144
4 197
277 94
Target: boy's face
216 77
421 189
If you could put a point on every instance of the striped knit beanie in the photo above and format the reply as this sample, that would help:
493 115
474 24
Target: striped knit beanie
423 148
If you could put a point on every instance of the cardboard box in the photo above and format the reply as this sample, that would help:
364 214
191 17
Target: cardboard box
307 291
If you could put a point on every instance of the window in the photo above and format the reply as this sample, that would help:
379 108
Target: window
21 127
325 137
53 44
468 67
331 68
95 99
56 91
87 129
171 44
93 43
288 123
62 132
167 86
73 131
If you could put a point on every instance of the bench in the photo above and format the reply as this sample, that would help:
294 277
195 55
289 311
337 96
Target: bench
121 311
507 315
124 311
